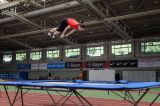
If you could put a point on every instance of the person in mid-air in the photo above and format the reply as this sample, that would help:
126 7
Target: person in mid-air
64 27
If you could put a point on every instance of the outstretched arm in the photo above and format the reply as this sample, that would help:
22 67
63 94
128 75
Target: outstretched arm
65 30
69 33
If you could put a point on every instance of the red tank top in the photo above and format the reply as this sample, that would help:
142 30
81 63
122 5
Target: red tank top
73 23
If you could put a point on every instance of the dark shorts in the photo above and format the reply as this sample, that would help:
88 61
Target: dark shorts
62 25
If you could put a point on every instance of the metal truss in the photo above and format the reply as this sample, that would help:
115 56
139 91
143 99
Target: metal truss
118 28
139 5
11 4
22 19
116 18
21 43
16 3
34 25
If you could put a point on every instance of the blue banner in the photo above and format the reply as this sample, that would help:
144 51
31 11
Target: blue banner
56 65
23 66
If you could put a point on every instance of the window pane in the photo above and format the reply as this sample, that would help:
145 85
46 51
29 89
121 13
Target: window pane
150 47
20 56
36 55
123 49
7 57
95 51
72 53
125 46
52 54
117 46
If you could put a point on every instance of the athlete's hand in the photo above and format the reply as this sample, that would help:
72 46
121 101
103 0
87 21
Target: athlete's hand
62 36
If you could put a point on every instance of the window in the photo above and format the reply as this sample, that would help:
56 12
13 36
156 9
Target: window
123 49
95 51
37 55
7 57
150 47
72 53
20 56
53 54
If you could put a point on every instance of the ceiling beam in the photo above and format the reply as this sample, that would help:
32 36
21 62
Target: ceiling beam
28 33
11 4
22 19
112 25
53 16
34 25
20 43
134 15
139 5
128 16
46 11
117 2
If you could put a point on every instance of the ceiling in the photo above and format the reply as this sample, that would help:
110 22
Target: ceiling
24 23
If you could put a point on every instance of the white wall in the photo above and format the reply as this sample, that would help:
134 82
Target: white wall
36 75
102 75
139 75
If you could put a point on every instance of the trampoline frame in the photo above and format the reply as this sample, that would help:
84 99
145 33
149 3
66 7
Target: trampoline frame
126 94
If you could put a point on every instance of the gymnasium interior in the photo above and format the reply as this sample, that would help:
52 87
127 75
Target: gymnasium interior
121 42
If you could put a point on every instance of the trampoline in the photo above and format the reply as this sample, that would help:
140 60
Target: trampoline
72 88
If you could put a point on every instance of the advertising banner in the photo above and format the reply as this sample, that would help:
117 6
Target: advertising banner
149 62
73 65
96 64
59 65
39 66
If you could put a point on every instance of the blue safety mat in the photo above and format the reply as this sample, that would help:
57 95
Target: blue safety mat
83 84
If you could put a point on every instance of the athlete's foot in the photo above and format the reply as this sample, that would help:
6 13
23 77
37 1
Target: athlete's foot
51 34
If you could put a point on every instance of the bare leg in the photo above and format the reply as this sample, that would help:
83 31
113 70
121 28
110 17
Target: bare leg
53 30
56 33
